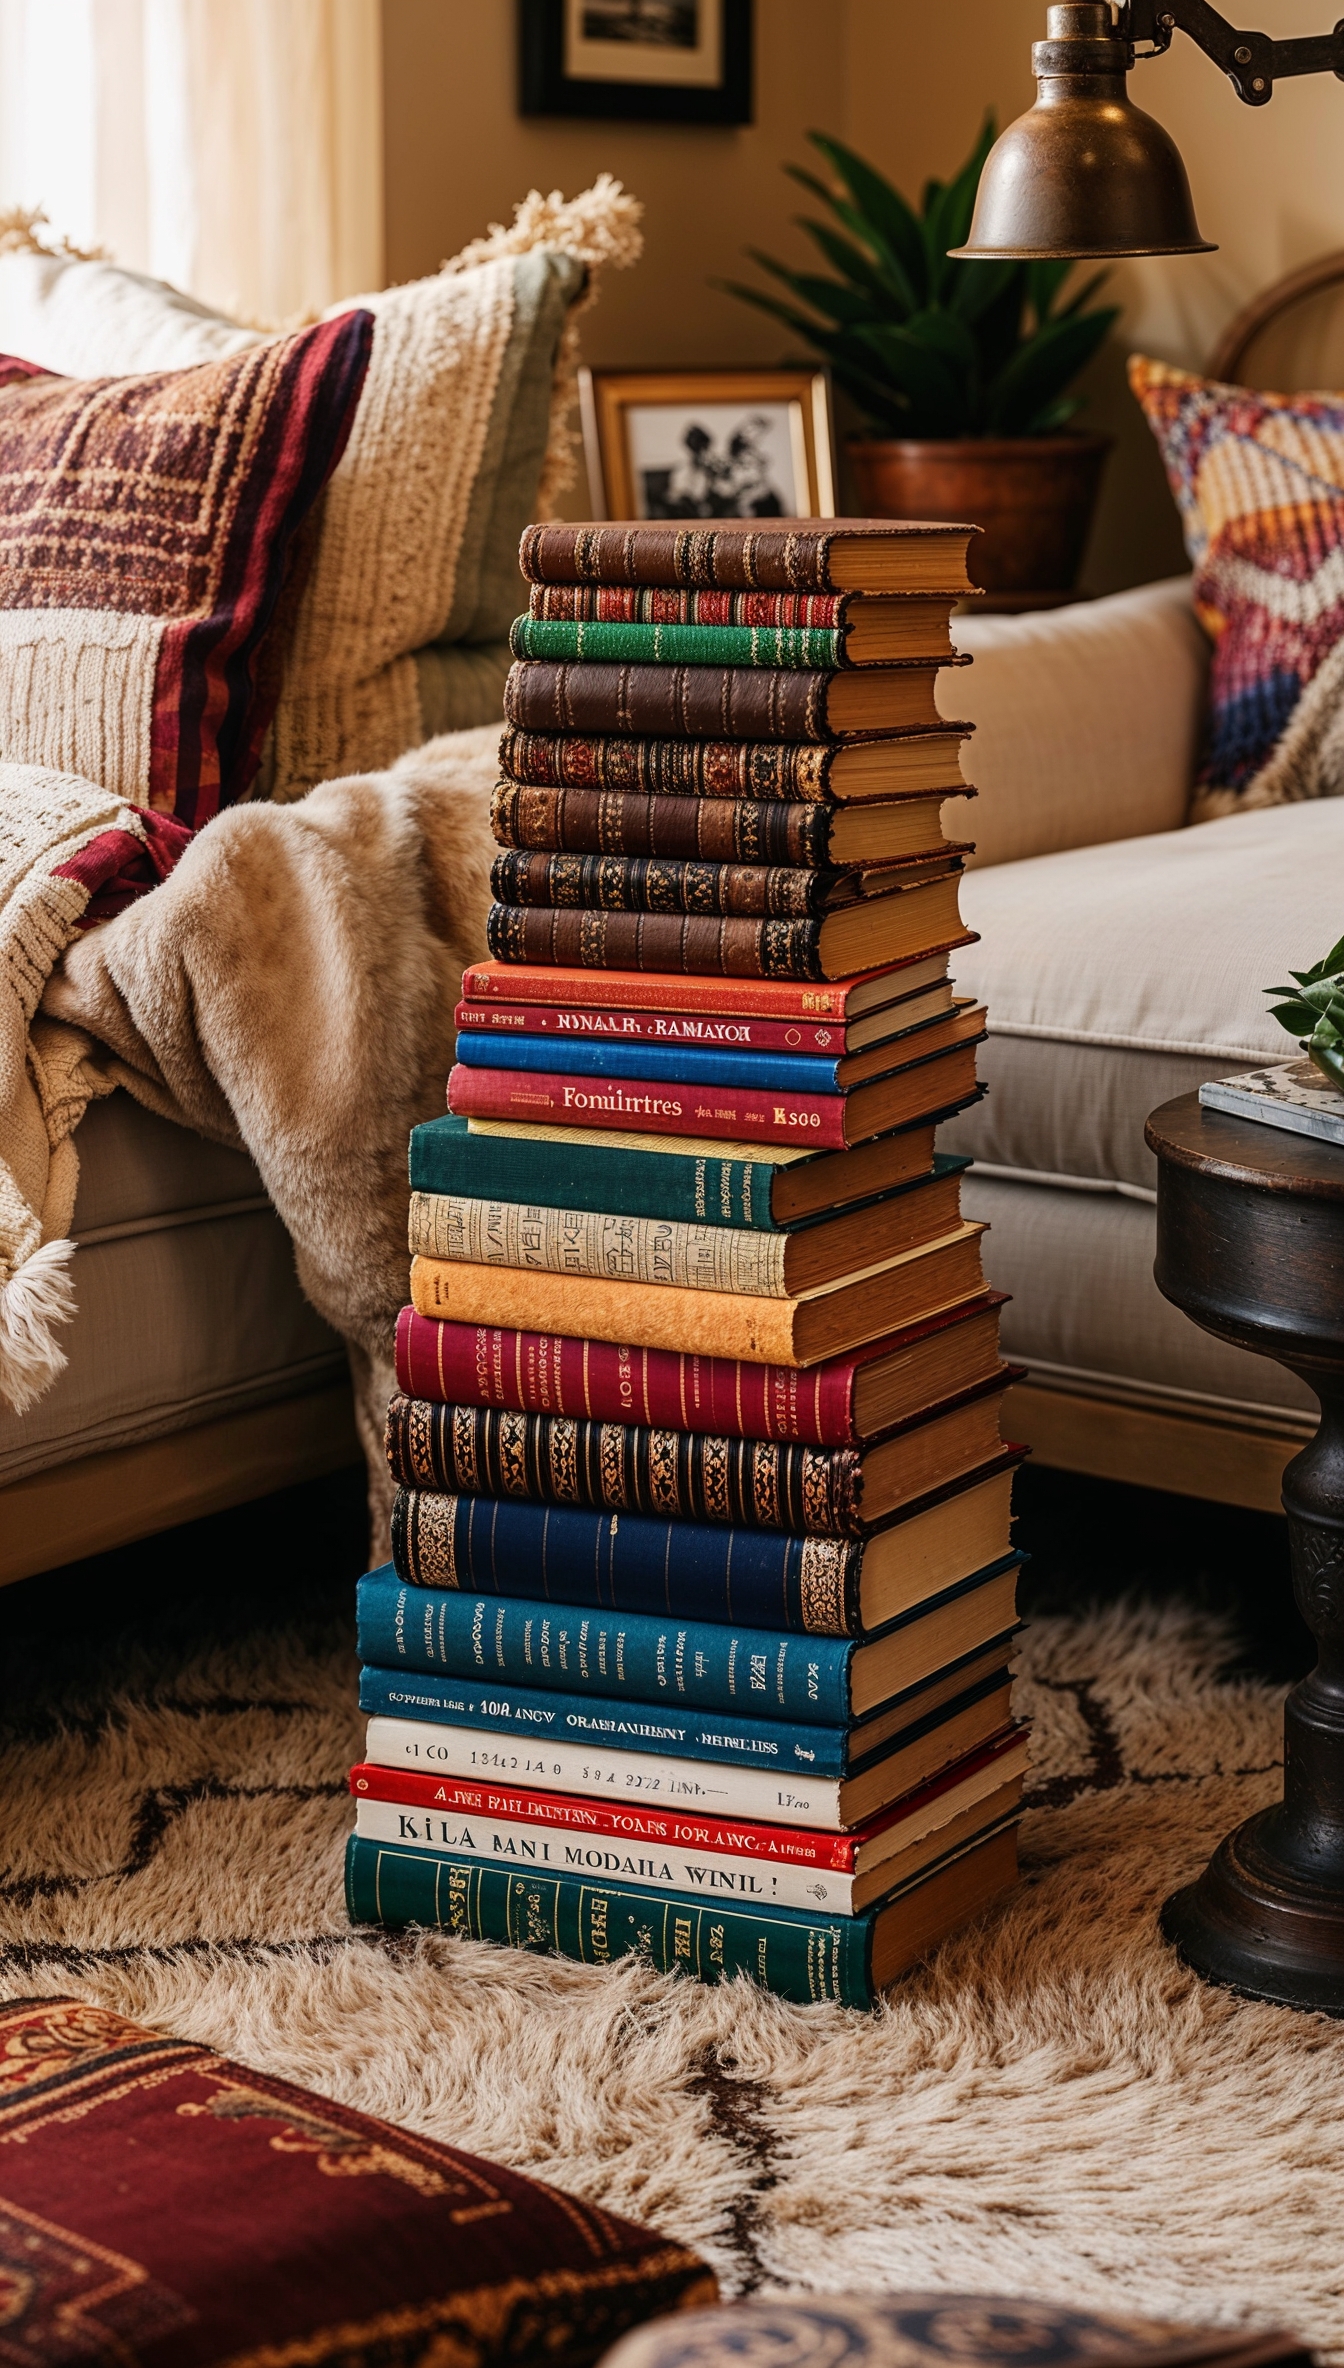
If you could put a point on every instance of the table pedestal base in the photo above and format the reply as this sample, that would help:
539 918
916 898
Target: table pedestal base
1255 1922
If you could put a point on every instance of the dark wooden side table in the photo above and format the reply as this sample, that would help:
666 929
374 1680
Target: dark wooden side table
1250 1243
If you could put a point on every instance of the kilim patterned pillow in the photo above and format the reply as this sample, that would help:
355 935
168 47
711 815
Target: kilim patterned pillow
164 2207
1259 481
149 529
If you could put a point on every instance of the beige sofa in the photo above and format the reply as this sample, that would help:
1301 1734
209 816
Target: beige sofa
1121 957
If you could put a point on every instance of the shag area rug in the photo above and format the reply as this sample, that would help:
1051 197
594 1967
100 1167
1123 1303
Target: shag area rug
1052 2106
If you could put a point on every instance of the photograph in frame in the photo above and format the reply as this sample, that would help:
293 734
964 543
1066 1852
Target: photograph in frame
708 444
651 61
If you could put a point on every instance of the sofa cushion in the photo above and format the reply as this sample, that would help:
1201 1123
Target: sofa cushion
166 2206
188 1305
1117 977
418 539
147 526
1259 482
1086 720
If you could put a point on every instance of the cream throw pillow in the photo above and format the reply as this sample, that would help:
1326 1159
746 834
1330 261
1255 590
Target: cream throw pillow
458 433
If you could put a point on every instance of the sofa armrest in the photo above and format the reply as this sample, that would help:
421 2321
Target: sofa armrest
1086 720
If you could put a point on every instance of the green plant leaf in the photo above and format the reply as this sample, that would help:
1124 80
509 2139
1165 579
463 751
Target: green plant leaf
856 267
1298 1018
930 381
892 227
975 287
832 298
1044 278
948 211
1081 299
1039 371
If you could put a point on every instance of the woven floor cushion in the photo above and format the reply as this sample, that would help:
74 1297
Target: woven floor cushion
164 2206
943 2330
417 544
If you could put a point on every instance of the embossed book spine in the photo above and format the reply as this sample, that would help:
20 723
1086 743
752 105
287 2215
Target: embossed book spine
692 1570
758 769
680 1064
595 1023
803 647
621 604
705 702
625 1468
720 1113
598 1242
634 990
658 884
643 1655
803 1957
549 1373
579 940
796 556
708 830
683 1187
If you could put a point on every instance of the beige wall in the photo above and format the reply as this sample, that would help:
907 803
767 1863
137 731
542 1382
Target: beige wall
907 81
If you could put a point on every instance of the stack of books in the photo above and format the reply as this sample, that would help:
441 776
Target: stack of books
697 1636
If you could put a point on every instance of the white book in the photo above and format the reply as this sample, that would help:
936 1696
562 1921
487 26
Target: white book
1293 1095
688 1852
584 1242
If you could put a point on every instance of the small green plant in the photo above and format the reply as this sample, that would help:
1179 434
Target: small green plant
925 346
1313 1011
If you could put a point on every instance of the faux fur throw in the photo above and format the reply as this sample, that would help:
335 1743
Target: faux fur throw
290 989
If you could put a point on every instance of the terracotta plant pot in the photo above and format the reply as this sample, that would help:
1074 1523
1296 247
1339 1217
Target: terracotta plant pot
1033 495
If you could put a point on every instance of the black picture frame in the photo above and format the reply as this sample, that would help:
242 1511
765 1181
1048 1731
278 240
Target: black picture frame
544 88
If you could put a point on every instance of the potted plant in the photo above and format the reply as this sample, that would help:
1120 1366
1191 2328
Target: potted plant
961 370
1312 1009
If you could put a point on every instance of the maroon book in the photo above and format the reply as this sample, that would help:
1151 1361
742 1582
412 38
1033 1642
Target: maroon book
838 1404
166 2208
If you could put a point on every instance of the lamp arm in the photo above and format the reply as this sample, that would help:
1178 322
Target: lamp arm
1252 62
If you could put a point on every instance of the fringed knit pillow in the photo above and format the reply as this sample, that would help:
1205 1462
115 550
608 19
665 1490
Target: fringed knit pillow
458 441
147 531
1259 481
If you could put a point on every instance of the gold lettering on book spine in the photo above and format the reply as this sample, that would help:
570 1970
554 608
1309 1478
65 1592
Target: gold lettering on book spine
822 1570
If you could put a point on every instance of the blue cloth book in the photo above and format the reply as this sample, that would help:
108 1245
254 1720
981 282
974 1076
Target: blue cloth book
695 1064
761 1672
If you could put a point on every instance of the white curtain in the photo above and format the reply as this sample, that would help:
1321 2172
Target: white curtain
231 146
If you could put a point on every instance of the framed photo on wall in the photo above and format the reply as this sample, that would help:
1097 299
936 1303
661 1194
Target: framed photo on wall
708 443
638 61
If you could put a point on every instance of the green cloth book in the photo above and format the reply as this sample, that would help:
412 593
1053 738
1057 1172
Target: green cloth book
848 1959
808 648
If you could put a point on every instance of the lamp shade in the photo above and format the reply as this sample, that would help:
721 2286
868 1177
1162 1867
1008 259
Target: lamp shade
1084 172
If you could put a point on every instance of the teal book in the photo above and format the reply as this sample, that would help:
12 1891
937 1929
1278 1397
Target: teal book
803 648
685 1188
845 1959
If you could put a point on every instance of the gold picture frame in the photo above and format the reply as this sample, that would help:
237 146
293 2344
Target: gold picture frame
670 444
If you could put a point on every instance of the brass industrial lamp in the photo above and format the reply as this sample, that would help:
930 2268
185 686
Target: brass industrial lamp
1085 172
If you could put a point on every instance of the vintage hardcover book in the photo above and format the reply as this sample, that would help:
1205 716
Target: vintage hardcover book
823 1586
681 1180
844 1403
958 1712
669 884
848 1959
660 1868
907 924
804 1329
921 1087
1292 1095
718 830
680 1059
719 702
467 1450
833 1038
673 1729
755 555
913 763
712 1257
813 648
790 1865
846 1002
874 630
642 1656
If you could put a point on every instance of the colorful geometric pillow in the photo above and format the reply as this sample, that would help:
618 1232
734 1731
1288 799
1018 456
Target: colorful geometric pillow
1259 482
162 2207
147 529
